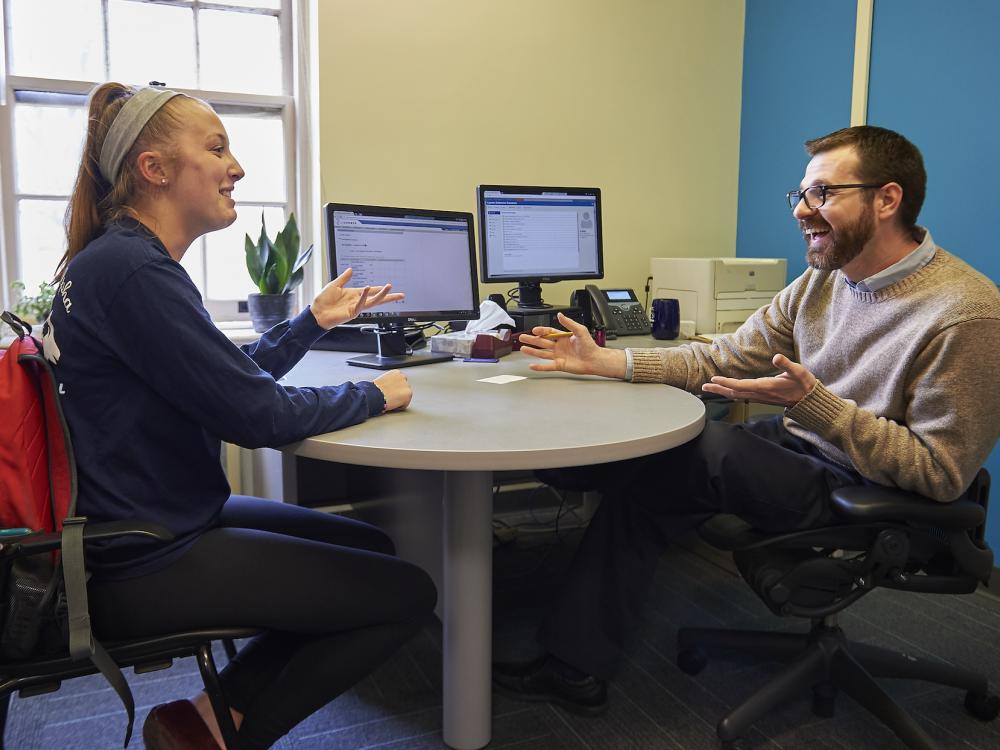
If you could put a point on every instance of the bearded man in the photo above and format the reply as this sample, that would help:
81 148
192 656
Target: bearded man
884 354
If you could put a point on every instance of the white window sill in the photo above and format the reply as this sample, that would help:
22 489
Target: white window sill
239 332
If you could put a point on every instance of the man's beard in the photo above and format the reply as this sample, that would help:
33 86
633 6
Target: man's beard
842 245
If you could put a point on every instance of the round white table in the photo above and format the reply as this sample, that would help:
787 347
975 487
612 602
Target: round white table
466 428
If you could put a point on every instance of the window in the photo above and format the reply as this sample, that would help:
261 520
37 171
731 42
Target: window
235 54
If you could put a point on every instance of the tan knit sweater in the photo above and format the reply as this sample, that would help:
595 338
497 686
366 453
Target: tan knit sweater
909 391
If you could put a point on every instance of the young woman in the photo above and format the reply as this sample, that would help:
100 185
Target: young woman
151 388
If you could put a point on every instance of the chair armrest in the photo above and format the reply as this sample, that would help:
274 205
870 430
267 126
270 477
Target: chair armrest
35 543
869 504
733 534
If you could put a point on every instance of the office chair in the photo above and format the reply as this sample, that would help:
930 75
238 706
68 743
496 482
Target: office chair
46 601
44 672
882 538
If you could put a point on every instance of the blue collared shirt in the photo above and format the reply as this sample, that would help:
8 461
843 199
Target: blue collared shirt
914 261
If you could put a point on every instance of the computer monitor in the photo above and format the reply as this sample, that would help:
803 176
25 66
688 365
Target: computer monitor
531 235
429 255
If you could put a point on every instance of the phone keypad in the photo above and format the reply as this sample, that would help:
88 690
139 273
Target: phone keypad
628 318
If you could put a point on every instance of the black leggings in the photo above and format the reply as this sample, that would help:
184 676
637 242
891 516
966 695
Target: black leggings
334 601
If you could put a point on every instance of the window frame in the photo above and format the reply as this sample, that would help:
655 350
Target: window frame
299 51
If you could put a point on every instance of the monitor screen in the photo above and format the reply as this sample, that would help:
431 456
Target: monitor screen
428 255
531 235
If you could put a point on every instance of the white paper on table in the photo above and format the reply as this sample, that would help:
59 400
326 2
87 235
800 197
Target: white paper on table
502 379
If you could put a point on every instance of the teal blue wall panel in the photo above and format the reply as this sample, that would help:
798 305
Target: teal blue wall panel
798 61
934 78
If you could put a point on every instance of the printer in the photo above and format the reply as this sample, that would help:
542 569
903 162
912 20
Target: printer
718 294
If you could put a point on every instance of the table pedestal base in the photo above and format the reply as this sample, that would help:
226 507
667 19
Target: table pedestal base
468 608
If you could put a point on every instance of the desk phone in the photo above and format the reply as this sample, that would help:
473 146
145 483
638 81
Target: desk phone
620 311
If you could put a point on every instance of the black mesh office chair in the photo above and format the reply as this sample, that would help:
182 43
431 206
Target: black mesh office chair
44 672
887 538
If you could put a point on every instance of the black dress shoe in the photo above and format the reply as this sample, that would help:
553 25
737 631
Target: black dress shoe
543 680
177 726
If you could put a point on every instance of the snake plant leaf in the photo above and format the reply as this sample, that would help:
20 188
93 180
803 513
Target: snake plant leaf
281 268
254 267
302 259
269 256
263 244
270 282
292 240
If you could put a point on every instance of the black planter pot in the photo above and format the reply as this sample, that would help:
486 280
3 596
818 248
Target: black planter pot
267 310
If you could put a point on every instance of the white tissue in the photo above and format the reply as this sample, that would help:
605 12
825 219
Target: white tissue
491 315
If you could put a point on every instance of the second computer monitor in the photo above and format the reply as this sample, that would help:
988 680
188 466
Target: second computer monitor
535 235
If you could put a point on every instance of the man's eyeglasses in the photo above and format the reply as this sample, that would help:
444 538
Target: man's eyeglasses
815 195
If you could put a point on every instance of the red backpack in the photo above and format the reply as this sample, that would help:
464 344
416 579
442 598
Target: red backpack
37 475
43 596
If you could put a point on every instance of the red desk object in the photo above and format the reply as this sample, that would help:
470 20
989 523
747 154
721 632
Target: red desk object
487 347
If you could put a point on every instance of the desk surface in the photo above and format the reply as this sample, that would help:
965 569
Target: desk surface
457 422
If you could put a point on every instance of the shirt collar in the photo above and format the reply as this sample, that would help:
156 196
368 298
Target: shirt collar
912 262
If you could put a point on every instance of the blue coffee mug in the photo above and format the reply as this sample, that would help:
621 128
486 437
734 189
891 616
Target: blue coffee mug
666 318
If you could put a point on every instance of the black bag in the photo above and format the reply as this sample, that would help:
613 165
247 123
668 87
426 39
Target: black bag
35 617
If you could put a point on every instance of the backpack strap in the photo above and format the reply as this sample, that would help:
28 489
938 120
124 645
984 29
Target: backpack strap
20 328
82 644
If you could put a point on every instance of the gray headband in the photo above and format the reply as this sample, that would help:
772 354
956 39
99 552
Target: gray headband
127 125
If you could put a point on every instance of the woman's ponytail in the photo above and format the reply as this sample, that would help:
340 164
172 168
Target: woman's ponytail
84 215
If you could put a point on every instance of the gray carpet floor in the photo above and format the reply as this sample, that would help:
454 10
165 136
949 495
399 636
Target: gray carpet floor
653 704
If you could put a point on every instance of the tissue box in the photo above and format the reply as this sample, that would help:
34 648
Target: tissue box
488 346
458 343
461 343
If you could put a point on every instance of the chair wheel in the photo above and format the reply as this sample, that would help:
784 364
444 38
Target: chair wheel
984 706
691 661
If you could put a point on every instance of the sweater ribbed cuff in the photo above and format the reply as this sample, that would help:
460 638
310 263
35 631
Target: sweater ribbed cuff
817 410
646 366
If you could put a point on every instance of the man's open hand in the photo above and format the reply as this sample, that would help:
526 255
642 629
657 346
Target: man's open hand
786 388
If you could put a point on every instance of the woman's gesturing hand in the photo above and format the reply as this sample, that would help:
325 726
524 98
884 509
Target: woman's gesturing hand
336 303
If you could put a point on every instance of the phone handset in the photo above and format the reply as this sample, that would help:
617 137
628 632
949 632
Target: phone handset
602 311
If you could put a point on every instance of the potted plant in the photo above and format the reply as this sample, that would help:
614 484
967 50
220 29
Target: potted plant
276 269
32 310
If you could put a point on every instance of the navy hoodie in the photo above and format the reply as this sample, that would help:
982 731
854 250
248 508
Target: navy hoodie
151 387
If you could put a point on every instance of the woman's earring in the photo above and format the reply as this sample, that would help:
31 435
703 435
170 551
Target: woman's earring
163 180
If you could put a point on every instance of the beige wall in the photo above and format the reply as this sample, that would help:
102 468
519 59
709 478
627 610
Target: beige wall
421 100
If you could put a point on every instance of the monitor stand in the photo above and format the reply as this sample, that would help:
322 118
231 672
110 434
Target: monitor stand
529 295
393 351
526 318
